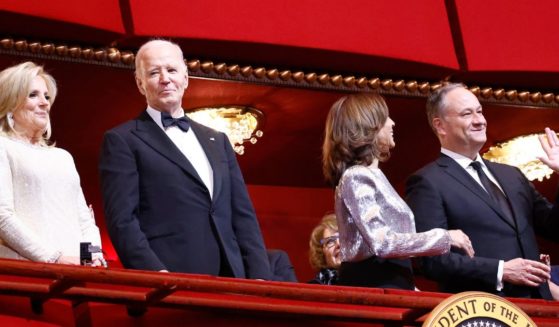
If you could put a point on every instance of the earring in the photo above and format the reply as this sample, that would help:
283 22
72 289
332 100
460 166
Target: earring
46 130
10 119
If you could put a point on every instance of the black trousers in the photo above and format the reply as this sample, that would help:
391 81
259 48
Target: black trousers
378 272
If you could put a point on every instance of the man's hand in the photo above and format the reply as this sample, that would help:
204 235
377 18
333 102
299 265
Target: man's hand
461 241
525 272
550 145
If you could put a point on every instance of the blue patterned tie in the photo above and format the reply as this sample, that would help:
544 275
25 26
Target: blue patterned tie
182 122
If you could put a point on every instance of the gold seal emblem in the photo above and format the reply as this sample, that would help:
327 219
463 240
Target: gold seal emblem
477 309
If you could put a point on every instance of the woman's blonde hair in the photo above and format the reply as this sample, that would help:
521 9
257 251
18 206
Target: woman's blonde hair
316 255
15 85
350 136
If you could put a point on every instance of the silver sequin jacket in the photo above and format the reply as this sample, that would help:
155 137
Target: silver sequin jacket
373 220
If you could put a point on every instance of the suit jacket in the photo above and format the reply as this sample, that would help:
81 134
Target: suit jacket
555 274
281 267
160 214
443 194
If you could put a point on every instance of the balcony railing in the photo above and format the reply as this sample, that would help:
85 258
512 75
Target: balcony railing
259 300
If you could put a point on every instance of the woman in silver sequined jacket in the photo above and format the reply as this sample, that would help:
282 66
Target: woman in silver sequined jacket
376 227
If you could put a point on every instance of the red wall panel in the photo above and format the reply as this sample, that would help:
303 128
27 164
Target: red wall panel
398 29
102 14
287 216
502 35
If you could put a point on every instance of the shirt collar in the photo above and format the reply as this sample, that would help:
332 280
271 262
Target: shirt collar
156 116
463 161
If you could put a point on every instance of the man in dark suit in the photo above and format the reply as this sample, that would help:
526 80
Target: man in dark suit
494 204
173 193
281 267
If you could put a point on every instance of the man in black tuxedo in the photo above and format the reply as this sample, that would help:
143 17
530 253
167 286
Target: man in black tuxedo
494 204
173 193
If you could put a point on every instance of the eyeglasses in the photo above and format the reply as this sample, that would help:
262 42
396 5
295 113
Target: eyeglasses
330 241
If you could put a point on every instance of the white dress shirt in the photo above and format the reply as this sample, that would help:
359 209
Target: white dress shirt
189 146
465 162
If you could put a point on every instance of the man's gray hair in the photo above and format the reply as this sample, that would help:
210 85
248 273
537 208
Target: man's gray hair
137 62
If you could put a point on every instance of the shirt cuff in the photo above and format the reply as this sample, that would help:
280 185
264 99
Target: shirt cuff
500 276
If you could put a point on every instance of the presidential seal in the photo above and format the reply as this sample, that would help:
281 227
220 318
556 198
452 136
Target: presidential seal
477 309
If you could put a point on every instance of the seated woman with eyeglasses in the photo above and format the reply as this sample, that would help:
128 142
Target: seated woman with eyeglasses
324 253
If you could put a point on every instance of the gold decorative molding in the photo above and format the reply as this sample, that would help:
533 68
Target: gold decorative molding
74 53
125 59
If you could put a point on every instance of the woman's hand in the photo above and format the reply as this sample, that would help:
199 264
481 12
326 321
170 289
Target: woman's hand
68 260
461 241
99 262
91 212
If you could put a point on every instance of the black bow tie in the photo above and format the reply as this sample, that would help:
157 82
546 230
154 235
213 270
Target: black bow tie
182 122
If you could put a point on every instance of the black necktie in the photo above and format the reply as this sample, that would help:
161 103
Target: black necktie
182 122
493 190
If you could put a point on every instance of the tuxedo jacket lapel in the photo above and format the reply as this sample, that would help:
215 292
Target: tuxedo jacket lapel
151 134
209 144
452 168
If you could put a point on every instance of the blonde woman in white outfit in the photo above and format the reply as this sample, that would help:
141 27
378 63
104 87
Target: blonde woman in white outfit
43 213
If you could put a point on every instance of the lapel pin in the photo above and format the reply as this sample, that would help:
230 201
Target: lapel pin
212 139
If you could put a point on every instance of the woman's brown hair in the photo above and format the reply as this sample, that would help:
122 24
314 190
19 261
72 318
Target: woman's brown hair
350 136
